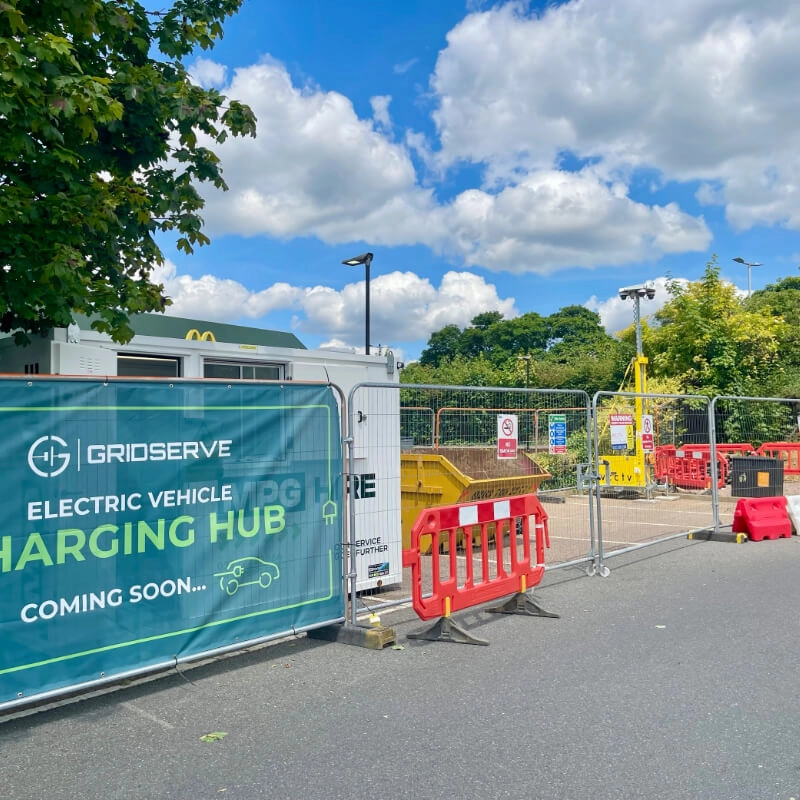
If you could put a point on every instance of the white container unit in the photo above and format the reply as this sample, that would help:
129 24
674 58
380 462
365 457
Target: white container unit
194 349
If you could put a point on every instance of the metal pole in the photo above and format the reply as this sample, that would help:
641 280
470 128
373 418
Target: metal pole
749 265
366 266
640 388
527 360
712 454
637 318
352 575
595 478
599 567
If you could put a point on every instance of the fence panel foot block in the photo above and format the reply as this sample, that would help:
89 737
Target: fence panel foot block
717 536
372 637
445 630
522 603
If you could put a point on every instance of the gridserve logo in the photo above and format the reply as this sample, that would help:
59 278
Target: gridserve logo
48 456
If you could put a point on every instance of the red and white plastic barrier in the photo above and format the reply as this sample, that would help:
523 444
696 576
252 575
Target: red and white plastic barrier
689 466
788 452
496 535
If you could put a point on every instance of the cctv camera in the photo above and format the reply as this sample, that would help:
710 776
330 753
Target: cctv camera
637 291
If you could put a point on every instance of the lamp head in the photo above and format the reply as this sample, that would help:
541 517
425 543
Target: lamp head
364 258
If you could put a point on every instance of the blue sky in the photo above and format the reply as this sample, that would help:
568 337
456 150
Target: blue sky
493 156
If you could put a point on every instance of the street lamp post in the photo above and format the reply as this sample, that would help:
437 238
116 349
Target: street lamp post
527 360
749 266
366 260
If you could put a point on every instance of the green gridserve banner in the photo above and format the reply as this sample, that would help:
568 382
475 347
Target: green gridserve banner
146 521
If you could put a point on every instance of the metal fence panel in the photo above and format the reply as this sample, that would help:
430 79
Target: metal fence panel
759 438
653 459
621 472
438 445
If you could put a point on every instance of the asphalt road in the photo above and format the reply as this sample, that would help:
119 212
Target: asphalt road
672 678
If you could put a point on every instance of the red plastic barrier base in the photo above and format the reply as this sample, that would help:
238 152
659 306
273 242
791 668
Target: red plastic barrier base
762 518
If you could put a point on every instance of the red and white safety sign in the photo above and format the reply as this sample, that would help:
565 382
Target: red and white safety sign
507 435
647 433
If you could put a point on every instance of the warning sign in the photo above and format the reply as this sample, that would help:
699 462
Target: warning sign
647 433
507 435
621 426
620 419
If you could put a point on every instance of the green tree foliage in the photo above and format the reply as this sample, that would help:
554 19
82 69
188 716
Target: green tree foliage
710 342
782 300
569 350
442 346
458 371
100 152
489 335
485 320
576 325
705 341
528 333
580 354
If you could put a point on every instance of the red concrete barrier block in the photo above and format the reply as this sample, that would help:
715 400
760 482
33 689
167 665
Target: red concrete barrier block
762 518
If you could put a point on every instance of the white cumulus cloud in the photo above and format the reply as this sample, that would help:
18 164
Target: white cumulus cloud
555 219
403 306
695 90
317 169
207 73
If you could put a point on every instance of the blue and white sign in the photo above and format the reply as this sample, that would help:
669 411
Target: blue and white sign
558 433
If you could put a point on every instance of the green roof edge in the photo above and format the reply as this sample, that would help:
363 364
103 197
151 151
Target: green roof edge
180 328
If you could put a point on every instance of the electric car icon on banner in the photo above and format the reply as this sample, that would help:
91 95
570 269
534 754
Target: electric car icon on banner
247 571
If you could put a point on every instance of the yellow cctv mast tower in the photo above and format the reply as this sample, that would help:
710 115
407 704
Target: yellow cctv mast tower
630 471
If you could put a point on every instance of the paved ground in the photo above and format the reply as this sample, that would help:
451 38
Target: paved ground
672 678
